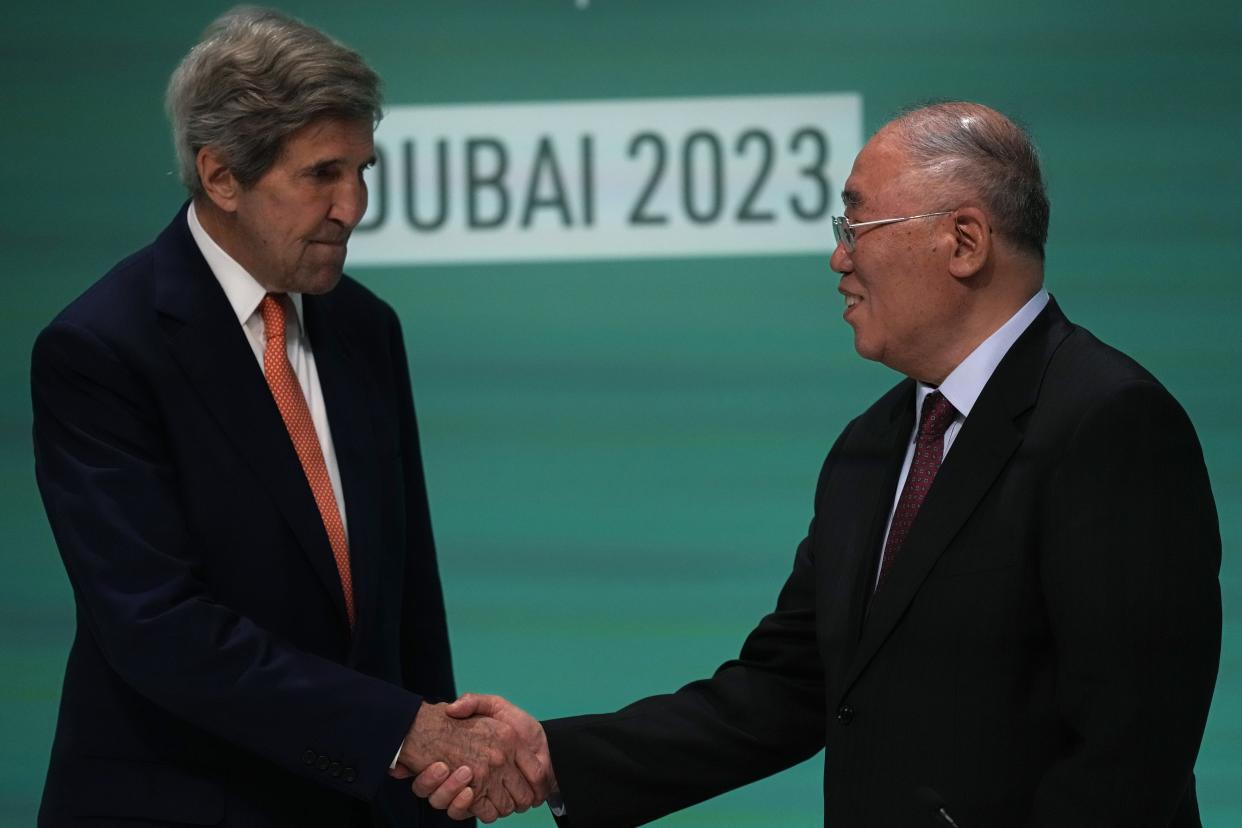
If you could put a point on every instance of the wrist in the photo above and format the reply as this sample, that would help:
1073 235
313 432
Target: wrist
416 749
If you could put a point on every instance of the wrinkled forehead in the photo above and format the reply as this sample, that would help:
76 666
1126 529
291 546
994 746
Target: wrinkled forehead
329 138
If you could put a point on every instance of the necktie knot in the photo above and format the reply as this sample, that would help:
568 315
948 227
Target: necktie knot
273 313
938 414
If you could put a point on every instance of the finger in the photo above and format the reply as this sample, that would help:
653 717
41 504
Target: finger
535 770
519 791
444 795
461 806
498 795
464 707
400 772
430 779
477 704
486 811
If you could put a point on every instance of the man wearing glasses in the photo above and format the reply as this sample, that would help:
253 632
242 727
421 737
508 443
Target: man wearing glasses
1006 610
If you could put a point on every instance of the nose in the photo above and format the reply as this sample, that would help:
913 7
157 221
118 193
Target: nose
841 261
349 202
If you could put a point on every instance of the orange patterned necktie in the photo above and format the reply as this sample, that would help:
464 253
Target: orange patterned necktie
294 411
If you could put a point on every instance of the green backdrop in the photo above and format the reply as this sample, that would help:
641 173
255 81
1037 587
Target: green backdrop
621 454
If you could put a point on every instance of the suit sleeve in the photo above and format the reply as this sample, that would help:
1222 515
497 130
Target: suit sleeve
111 493
1131 583
759 714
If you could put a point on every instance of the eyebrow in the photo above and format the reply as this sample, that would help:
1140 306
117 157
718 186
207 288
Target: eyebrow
852 198
328 162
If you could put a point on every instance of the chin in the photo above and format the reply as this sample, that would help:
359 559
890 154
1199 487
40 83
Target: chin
867 350
321 283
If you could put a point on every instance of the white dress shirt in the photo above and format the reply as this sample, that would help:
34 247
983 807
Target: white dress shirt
244 295
962 388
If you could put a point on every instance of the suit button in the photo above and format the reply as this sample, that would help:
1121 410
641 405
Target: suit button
335 769
323 762
350 775
308 758
845 714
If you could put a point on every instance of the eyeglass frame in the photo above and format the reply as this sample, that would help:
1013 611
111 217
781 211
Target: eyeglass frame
843 228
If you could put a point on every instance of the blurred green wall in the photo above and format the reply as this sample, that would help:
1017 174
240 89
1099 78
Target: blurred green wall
621 454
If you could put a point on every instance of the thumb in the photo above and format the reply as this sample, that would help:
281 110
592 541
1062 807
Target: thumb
468 705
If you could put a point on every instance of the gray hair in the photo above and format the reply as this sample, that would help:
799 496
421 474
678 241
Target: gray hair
255 77
974 148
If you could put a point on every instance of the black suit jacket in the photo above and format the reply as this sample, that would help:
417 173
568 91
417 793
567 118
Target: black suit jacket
213 679
1042 652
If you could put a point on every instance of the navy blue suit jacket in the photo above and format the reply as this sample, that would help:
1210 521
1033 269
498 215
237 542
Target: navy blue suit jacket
213 678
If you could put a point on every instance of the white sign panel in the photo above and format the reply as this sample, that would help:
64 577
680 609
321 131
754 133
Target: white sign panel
608 179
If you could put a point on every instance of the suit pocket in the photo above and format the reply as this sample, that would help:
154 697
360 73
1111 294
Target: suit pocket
128 789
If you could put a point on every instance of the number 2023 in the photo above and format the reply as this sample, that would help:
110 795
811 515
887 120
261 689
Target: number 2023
704 202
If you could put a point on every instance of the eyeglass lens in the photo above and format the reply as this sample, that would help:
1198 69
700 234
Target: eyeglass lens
842 233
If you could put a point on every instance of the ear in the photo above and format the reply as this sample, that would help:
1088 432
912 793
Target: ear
217 179
973 244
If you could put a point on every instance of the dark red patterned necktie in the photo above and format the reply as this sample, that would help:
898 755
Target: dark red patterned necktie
938 413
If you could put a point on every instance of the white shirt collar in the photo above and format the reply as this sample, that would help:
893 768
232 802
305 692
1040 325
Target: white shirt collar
965 383
243 292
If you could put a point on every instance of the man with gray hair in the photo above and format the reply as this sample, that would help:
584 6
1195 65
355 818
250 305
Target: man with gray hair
227 451
1006 611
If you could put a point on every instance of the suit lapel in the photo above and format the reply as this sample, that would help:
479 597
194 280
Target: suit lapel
349 394
211 348
983 448
850 510
878 487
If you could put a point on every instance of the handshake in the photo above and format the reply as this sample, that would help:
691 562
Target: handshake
478 756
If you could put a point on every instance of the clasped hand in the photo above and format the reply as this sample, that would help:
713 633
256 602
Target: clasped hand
496 752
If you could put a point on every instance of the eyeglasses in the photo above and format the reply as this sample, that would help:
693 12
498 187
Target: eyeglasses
843 228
